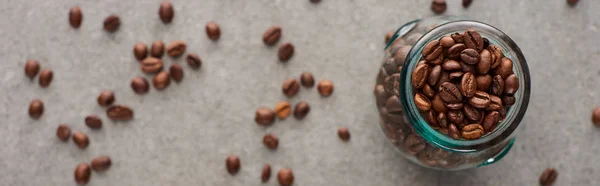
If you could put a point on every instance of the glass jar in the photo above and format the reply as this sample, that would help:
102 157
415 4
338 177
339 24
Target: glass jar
408 130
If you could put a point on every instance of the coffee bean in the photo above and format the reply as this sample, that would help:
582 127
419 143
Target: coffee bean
158 49
152 65
93 121
265 175
285 177
82 173
455 50
470 56
422 102
497 85
75 16
81 139
140 85
344 133
380 94
140 51
176 72
286 51
32 67
438 6
456 75
472 132
213 31
119 113
390 66
176 48
301 110
414 144
473 40
453 132
447 41
400 55
505 68
101 163
511 84
496 55
264 116
419 75
161 81
428 91
450 93
389 36
270 141
455 106
307 79
508 100
193 60
495 103
106 98
166 12
466 3
436 61
596 116
442 120
468 85
502 114
456 116
392 84
431 118
325 87
36 108
491 120
480 100
451 65
472 114
458 38
46 76
432 50
233 164
434 75
438 105
63 132
272 35
572 2
290 87
445 77
485 63
484 82
112 23
548 177
486 42
283 109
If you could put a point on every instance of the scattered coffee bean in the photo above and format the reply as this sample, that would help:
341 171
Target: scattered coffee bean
511 84
505 68
140 51
422 103
106 98
213 31
81 139
480 100
176 48
63 132
470 56
285 176
75 16
36 108
472 131
491 120
497 85
176 72
166 12
232 163
93 122
344 133
271 141
82 173
286 51
161 81
290 87
307 79
484 82
151 65
548 177
101 163
458 38
325 87
432 50
438 6
301 109
508 100
468 85
283 109
453 132
112 23
455 50
473 40
572 2
46 76
596 116
466 3
158 49
419 75
389 36
119 113
32 67
194 61
140 85
450 93
495 103
272 35
265 175
264 116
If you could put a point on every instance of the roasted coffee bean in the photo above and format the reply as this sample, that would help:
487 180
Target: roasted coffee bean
491 120
157 49
272 35
472 132
307 79
106 98
325 87
264 116
455 75
301 109
140 51
495 103
435 74
112 23
596 116
419 75
480 100
468 68
390 66
451 65
283 109
414 144
438 6
486 42
484 82
496 55
508 100
81 139
46 76
344 133
473 40
152 65
470 56
468 85
442 120
32 67
389 36
101 163
140 85
161 80
456 116
93 121
432 50
119 113
472 114
166 12
75 16
82 173
437 61
455 106
193 61
453 132
63 132
466 3
176 72
511 84
422 102
455 51
392 84
265 175
393 104
502 114
285 177
176 48
438 105
505 68
450 93
380 95
485 63
548 177
213 31
458 38
290 87
232 163
447 41
445 77
400 55
428 91
286 51
431 118
497 85
270 141
572 2
36 108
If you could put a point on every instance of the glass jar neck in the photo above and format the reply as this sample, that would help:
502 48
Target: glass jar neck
514 114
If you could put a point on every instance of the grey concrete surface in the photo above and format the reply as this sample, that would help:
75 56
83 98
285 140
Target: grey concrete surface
182 135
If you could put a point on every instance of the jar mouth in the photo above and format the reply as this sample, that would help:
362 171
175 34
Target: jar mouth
514 114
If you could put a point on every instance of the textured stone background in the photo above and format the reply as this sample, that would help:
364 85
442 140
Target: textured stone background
182 135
